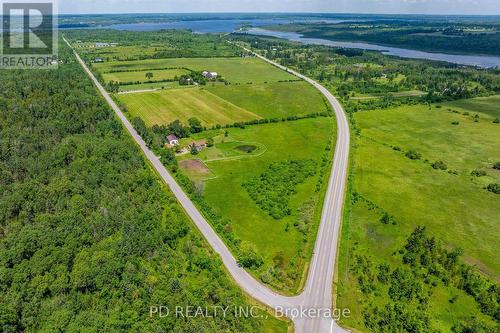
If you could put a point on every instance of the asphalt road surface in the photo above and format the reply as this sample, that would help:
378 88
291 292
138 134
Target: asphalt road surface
310 310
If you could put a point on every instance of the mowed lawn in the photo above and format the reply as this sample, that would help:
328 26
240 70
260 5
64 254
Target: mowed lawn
296 140
235 70
140 76
164 106
273 100
454 207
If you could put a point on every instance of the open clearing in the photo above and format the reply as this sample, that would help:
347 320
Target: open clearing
235 70
273 100
196 170
164 106
296 140
454 206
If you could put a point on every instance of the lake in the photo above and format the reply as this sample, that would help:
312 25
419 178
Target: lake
470 60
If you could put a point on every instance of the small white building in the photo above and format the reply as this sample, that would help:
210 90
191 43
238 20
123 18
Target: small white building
210 75
173 140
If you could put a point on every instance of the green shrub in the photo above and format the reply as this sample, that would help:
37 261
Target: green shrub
210 142
478 173
413 155
385 219
248 257
494 188
439 165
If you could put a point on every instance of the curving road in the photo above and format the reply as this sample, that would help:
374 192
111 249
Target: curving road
309 310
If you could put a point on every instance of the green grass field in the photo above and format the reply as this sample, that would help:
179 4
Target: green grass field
303 139
273 100
165 106
154 85
235 70
140 76
486 105
221 104
454 207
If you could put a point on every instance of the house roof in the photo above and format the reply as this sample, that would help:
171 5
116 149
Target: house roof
210 74
199 143
172 137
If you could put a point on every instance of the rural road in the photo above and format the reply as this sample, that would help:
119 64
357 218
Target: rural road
309 310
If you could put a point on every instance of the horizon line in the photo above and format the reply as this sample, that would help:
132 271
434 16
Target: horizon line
259 13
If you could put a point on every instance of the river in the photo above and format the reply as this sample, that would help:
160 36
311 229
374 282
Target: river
470 60
231 25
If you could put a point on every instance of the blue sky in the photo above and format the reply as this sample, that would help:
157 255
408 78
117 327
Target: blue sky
470 7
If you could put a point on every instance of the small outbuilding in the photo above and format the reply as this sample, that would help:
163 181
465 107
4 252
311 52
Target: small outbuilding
199 145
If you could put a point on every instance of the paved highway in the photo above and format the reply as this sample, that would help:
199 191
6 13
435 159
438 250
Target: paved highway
312 304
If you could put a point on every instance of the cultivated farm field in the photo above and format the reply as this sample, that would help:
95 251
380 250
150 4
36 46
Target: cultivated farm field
216 103
235 70
164 106
273 100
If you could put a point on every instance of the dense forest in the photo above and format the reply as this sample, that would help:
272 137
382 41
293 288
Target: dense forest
89 238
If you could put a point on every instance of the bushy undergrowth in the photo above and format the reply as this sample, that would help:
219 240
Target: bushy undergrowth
272 190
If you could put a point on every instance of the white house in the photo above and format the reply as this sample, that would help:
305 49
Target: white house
210 75
173 140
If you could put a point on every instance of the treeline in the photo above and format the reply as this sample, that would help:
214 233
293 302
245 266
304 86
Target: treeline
89 238
273 120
